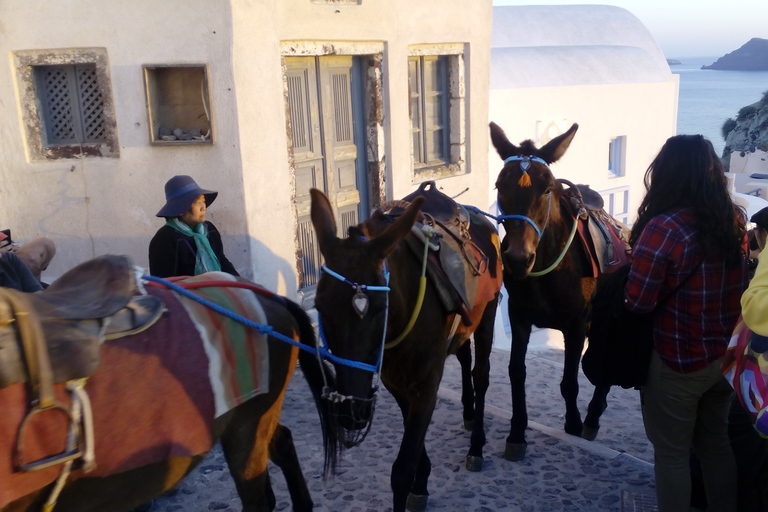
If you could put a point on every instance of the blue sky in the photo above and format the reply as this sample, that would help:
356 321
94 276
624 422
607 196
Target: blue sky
689 28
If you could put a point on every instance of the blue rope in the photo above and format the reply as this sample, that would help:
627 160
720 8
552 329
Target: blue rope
263 329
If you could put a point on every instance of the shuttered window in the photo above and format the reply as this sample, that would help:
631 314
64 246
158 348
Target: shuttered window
428 83
72 109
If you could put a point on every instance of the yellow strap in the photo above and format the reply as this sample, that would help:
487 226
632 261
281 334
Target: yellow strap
414 316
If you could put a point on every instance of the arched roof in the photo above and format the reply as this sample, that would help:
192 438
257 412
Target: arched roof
559 45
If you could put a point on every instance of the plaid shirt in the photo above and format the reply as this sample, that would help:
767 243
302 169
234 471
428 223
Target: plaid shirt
693 327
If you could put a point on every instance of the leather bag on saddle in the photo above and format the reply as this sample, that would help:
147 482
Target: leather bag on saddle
605 239
458 259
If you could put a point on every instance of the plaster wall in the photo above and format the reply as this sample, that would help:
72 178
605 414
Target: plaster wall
95 206
261 29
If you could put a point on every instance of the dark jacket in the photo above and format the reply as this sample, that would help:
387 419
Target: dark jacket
173 254
15 274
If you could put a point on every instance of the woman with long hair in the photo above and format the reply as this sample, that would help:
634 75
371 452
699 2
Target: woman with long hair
688 258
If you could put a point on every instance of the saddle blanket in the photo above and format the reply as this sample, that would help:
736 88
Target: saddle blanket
238 358
155 394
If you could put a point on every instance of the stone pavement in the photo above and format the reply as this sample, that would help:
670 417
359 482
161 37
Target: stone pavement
559 473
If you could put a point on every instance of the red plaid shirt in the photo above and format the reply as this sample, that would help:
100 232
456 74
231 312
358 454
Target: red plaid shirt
693 327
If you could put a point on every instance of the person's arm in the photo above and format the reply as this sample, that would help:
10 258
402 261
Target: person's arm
649 267
21 273
214 237
754 301
162 253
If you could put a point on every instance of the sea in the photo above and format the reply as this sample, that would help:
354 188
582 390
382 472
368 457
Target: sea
708 97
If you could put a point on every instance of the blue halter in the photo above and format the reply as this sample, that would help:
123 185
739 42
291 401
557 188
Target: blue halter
527 159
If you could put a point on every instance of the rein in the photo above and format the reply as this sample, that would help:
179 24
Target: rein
428 234
263 329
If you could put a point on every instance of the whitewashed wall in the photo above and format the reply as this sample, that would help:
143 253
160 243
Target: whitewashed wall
595 65
107 205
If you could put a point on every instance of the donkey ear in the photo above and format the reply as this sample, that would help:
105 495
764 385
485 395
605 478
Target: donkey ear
501 143
321 213
388 240
554 149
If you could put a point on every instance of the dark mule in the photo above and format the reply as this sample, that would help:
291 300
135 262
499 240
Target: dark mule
362 312
537 233
158 448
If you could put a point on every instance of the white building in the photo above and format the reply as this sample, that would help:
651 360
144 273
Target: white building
362 98
595 65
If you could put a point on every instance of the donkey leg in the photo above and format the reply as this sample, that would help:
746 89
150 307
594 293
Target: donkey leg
596 408
569 385
464 355
516 443
246 445
417 498
480 374
410 492
283 453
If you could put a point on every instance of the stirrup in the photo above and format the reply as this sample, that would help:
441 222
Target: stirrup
51 460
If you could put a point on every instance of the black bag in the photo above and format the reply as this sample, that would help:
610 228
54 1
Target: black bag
620 342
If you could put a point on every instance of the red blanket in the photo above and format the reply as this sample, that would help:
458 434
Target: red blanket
151 400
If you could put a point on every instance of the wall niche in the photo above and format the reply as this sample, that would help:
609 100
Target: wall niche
178 104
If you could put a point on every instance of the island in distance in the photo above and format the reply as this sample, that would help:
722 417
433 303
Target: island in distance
752 56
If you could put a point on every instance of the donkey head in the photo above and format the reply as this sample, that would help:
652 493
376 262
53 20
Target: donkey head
352 315
529 194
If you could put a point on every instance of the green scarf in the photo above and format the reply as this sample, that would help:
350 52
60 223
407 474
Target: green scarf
205 259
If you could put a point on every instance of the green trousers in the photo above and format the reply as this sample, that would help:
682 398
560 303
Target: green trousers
683 411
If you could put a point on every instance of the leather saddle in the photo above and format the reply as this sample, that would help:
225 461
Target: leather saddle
605 239
459 260
69 320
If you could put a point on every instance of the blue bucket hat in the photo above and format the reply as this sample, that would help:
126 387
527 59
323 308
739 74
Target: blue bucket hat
180 192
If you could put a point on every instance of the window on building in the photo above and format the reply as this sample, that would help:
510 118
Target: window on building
436 108
428 79
72 109
66 103
617 203
616 157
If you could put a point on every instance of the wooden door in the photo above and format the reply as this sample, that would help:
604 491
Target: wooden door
326 121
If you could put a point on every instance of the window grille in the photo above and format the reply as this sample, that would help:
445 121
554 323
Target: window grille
428 82
72 107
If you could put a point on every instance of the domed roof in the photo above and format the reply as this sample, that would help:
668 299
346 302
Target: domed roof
539 46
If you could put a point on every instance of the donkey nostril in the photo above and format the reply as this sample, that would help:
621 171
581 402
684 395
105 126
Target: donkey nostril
530 259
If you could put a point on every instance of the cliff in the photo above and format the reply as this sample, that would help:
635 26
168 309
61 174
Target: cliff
752 56
748 130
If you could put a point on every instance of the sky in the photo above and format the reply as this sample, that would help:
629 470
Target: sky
689 28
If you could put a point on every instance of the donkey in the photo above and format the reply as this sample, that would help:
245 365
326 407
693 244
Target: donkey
157 404
366 299
547 274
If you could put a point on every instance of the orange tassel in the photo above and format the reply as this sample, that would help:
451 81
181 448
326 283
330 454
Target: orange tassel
525 180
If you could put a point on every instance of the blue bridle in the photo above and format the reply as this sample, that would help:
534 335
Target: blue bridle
524 165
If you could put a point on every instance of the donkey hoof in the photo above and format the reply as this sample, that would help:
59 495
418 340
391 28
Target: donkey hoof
573 430
474 463
589 433
416 502
515 451
468 425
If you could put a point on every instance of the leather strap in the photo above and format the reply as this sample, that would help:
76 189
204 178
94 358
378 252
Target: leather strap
35 350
